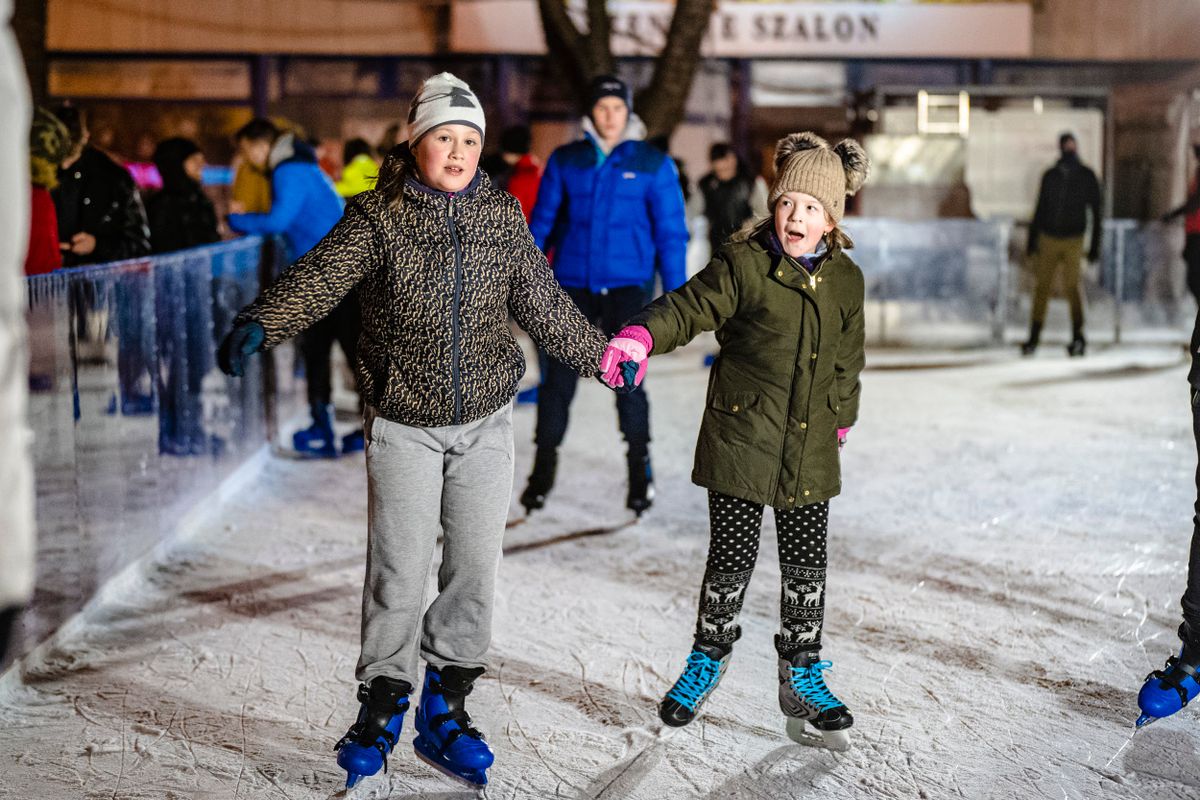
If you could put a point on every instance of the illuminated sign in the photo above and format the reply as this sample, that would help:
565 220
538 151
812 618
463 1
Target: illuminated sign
794 30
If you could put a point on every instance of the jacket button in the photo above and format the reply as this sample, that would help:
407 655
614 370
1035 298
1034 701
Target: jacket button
807 492
818 280
803 426
813 356
735 408
791 499
779 273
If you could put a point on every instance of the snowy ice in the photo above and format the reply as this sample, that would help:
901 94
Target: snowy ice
1005 566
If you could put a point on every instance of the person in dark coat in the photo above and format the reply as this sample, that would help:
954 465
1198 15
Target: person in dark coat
100 213
727 192
1068 192
611 209
1190 211
180 215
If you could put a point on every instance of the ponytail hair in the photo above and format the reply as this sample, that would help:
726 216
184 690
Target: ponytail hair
398 166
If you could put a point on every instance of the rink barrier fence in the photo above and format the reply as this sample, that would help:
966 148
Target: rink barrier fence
133 424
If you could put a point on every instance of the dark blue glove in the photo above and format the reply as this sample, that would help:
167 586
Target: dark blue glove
629 370
243 340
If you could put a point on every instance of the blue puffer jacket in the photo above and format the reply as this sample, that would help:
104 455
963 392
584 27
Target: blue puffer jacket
304 204
611 220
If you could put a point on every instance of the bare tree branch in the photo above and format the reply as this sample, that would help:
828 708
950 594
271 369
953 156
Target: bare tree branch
662 105
565 43
599 39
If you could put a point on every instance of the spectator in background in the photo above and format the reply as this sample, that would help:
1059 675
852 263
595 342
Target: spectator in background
513 169
728 193
100 214
360 170
611 206
305 207
391 138
180 214
251 192
1068 191
49 144
1190 211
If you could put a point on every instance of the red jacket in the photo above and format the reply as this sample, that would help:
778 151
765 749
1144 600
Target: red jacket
523 183
43 254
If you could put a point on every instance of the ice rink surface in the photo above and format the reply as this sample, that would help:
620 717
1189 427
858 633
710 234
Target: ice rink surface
1005 566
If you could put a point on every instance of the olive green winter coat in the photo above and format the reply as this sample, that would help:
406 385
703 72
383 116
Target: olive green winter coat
787 374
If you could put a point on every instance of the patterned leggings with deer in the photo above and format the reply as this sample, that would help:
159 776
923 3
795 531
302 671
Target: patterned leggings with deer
733 548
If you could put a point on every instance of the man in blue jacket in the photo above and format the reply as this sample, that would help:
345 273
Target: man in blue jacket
610 211
304 207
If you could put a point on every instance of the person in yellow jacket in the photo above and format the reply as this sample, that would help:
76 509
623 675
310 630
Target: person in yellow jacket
251 192
360 171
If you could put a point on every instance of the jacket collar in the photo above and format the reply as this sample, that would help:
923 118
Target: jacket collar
420 189
635 131
289 148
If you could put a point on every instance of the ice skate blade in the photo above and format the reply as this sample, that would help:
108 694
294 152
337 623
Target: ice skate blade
478 785
798 732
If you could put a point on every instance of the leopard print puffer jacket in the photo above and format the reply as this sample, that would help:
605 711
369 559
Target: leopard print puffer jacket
437 278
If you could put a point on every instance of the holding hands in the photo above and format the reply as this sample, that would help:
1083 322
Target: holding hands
623 364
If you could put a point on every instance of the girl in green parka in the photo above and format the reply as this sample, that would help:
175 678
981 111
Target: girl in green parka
786 303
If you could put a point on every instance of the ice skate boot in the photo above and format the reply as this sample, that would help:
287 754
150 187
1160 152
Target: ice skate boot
1031 344
354 442
1169 689
705 667
317 440
541 480
1078 345
641 484
804 697
445 739
363 751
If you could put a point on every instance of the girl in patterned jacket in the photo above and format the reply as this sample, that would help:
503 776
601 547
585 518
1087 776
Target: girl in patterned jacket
441 258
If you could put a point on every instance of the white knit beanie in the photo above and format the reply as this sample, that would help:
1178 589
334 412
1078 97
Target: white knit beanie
443 100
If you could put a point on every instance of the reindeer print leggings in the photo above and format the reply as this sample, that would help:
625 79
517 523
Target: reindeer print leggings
733 548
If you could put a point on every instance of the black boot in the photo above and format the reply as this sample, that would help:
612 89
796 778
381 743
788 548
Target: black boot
541 480
641 482
1035 334
1078 344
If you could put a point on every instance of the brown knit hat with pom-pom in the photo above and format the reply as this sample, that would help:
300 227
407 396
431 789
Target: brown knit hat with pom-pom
804 162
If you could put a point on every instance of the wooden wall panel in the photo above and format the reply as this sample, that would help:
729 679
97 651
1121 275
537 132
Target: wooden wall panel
1116 30
354 27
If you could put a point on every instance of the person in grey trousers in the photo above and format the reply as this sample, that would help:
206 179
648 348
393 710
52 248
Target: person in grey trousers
441 257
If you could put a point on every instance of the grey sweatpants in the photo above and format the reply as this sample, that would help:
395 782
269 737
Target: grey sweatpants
455 480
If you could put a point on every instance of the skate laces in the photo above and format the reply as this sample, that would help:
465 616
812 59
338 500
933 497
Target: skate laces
810 684
698 679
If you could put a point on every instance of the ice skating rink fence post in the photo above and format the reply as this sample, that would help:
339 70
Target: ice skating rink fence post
133 423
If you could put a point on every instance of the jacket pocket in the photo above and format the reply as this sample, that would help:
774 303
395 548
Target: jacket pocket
835 404
734 402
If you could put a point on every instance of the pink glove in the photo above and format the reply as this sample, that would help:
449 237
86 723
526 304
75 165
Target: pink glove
632 343
842 432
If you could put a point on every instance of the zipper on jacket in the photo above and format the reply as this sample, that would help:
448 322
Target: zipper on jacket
454 307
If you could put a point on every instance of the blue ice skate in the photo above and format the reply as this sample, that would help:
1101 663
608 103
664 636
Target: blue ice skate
317 440
445 739
354 442
363 751
705 666
1169 689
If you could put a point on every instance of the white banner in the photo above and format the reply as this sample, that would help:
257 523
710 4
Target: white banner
750 30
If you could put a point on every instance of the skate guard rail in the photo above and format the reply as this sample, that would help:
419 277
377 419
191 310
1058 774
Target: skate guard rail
966 282
133 423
